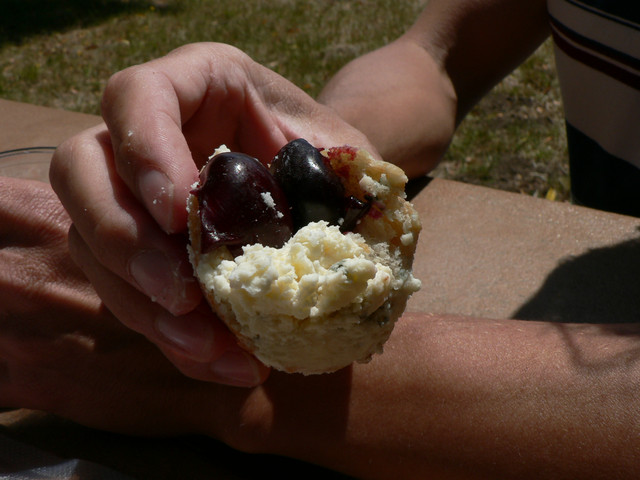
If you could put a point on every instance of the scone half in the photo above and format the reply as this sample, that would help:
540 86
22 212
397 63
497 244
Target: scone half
326 298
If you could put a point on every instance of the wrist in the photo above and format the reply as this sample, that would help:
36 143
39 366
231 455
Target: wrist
290 414
401 99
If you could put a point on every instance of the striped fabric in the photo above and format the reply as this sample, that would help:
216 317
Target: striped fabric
597 46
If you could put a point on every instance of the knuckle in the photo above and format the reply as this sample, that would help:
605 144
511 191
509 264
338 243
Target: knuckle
115 83
70 158
60 162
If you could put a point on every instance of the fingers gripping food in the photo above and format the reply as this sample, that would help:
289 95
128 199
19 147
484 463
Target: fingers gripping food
307 260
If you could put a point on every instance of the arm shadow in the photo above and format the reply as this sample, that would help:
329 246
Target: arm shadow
600 286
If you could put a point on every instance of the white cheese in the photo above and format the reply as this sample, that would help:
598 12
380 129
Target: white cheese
319 271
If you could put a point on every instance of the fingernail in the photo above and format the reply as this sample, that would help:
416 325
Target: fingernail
191 334
157 192
237 368
171 285
150 269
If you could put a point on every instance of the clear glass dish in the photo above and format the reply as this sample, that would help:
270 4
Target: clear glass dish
31 163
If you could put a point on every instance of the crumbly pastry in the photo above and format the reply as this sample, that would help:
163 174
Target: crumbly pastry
326 297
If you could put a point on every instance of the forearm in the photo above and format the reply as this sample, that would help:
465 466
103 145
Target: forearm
462 398
401 100
408 96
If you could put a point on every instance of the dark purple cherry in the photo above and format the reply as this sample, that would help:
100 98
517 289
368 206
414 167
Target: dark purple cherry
314 191
241 204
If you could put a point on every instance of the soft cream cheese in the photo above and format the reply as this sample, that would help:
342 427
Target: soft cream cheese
320 270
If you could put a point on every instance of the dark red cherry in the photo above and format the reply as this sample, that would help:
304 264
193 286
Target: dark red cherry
314 191
241 204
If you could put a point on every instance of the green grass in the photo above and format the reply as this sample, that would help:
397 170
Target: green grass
61 54
306 41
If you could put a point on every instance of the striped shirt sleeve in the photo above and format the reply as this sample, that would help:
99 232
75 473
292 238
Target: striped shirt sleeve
597 46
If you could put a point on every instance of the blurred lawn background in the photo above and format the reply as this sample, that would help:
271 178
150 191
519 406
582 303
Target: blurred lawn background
60 53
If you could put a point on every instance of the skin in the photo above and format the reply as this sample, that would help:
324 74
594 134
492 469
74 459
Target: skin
482 399
61 351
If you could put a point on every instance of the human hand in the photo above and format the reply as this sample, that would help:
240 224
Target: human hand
61 351
125 187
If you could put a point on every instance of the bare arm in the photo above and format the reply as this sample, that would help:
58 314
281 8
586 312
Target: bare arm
408 96
458 397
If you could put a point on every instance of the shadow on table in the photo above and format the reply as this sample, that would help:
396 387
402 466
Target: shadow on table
415 186
22 19
600 286
56 446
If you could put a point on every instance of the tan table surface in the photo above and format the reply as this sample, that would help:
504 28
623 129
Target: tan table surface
482 252
26 125
496 254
